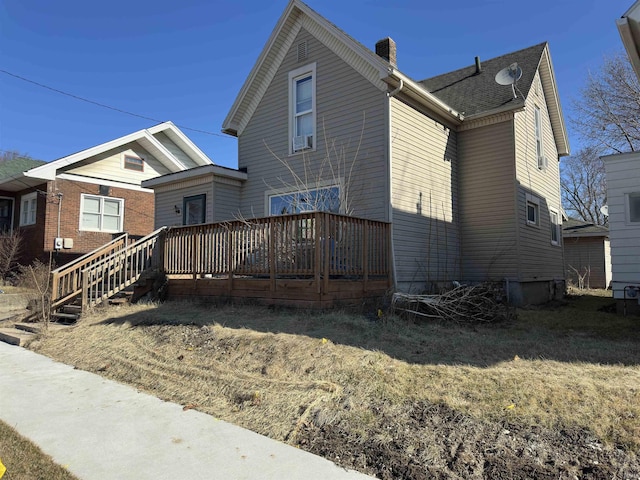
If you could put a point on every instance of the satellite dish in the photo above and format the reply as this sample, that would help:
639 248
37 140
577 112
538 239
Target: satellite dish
509 76
604 210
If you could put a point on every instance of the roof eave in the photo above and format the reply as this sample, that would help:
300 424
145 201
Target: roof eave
394 78
204 170
553 101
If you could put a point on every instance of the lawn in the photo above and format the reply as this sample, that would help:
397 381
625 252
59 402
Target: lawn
25 461
554 393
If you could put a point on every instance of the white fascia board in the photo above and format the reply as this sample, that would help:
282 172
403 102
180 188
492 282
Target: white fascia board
183 141
101 181
563 149
410 87
621 156
195 172
630 41
231 123
48 171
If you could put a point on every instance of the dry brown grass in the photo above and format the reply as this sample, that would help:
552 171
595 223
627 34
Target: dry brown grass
275 372
25 461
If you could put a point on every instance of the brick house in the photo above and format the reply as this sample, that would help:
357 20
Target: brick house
77 203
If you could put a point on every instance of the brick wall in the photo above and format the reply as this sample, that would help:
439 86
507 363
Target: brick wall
32 235
138 216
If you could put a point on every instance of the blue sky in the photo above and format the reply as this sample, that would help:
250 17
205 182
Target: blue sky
186 60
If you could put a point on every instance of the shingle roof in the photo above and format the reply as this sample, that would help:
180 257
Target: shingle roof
9 168
577 228
471 93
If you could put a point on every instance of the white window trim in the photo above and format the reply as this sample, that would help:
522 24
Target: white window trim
132 155
534 201
288 191
28 198
558 226
293 76
102 198
627 209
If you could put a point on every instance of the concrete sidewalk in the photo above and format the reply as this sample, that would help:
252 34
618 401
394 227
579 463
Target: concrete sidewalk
102 430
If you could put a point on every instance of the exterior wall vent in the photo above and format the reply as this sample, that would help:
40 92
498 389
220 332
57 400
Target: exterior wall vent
302 51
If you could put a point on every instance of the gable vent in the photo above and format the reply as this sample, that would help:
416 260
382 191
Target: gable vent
302 51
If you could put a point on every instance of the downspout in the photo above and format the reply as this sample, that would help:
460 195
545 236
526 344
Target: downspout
390 95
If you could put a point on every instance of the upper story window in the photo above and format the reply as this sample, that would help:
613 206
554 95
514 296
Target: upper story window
101 214
633 207
325 199
133 163
28 208
194 209
538 122
302 108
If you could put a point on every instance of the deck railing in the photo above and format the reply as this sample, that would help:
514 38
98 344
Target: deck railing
121 269
315 244
66 281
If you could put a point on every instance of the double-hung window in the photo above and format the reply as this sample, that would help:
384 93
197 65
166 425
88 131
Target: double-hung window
131 162
302 106
28 208
101 214
542 160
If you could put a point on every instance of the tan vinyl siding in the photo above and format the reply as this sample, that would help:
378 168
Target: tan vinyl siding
109 165
424 193
350 119
226 201
589 256
166 203
176 151
539 259
623 177
487 192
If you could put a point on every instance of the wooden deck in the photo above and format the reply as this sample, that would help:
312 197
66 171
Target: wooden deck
314 260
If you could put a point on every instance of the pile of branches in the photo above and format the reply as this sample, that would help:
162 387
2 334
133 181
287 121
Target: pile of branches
483 303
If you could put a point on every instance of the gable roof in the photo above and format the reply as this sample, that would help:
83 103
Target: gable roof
474 93
298 15
144 137
478 94
440 94
573 228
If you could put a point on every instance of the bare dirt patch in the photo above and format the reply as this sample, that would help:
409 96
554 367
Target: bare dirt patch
553 394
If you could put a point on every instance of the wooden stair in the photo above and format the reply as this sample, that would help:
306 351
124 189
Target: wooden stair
21 333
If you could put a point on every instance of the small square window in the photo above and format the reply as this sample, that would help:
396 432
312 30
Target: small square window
633 200
133 163
533 210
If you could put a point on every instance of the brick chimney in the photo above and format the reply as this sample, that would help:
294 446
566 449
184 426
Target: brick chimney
386 48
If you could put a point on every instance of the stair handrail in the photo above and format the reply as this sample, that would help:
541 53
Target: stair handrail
126 276
67 266
65 280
